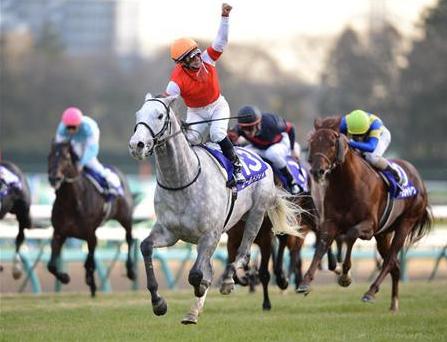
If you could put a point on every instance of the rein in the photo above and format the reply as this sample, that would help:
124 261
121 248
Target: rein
187 124
159 142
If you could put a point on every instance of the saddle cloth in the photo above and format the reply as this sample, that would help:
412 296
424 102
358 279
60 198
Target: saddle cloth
8 180
406 190
101 184
299 173
253 166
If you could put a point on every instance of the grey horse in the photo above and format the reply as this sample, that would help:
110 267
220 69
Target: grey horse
193 204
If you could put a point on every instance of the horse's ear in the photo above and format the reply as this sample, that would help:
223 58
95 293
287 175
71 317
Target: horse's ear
170 99
318 123
148 97
342 148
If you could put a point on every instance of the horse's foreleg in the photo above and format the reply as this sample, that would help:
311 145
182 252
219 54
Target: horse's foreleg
56 246
196 309
201 273
159 237
281 279
264 274
90 265
345 278
326 236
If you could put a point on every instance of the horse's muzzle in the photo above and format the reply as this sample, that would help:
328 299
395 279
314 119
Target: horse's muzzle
55 182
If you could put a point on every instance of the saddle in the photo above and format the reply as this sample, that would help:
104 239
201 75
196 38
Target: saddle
253 166
101 184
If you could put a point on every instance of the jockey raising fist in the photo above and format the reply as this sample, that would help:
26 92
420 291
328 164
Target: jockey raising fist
196 80
226 9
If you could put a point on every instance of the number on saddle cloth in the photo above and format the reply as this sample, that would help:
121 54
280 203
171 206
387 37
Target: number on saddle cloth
298 172
406 190
253 167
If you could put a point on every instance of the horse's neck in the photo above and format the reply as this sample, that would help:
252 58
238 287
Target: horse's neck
176 162
71 191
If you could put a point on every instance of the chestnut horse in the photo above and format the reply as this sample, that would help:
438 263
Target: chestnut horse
79 209
351 199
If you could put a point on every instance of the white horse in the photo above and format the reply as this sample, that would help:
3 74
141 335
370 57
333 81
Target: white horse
193 203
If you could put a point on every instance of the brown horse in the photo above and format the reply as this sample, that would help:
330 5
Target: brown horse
265 241
351 199
79 209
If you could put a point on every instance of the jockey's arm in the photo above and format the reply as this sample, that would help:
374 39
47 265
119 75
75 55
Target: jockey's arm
291 132
369 145
61 134
91 149
212 53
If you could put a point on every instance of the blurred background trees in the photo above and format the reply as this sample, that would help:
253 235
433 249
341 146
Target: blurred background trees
378 71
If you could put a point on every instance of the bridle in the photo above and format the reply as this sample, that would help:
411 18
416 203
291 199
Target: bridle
157 142
64 178
332 164
166 125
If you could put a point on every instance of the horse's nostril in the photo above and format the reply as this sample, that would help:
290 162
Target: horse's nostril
140 144
320 172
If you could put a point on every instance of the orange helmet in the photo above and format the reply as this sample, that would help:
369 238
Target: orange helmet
181 47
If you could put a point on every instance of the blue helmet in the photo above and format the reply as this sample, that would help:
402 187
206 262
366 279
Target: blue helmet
248 116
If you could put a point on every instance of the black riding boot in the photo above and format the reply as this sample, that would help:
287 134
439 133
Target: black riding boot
395 174
228 151
294 188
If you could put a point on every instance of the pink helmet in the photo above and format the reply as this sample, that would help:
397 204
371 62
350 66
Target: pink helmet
72 116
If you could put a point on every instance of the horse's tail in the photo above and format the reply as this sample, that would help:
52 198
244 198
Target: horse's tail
285 215
422 227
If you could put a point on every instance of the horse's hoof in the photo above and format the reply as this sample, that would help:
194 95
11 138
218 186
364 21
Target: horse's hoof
282 283
304 289
160 307
367 298
226 287
131 275
344 280
195 278
64 278
93 293
190 318
16 273
266 306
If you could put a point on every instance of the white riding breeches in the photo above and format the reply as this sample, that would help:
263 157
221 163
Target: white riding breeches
110 177
375 157
277 153
8 176
217 130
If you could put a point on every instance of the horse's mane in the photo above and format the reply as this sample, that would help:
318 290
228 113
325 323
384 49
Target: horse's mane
331 122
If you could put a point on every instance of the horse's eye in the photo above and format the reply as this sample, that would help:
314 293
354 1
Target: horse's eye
160 116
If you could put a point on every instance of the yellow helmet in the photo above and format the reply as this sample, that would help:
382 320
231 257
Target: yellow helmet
357 122
181 47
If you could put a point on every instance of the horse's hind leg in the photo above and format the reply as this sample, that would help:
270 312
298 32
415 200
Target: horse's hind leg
159 237
390 263
130 266
56 246
90 265
252 226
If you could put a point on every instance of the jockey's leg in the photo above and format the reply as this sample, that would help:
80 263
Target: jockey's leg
277 154
229 152
196 134
113 181
376 157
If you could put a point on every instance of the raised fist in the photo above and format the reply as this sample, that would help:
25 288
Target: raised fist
226 9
